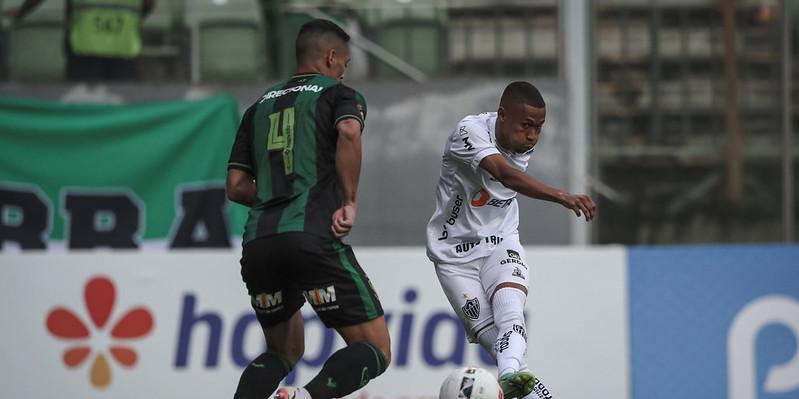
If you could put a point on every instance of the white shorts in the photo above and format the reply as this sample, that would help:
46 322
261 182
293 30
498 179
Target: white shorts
470 286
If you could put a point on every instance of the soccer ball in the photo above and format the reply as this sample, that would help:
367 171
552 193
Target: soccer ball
470 383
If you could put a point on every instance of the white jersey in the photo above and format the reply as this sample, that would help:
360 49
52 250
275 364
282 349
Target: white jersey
474 211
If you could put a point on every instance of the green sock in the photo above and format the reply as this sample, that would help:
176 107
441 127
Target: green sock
347 370
262 376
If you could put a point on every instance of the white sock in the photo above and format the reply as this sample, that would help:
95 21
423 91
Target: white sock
511 343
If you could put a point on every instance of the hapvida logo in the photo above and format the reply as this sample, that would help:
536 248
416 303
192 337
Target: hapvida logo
99 295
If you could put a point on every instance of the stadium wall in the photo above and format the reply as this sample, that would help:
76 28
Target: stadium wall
604 322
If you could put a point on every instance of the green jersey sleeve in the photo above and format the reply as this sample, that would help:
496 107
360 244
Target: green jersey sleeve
349 104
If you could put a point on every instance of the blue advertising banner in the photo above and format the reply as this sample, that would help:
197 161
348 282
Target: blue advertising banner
714 322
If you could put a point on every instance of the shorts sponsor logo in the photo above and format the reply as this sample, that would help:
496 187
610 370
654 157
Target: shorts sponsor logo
511 260
268 302
513 257
472 308
319 297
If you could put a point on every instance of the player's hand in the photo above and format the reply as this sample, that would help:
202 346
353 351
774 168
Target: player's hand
582 205
343 220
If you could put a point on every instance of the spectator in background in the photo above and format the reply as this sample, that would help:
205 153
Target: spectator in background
102 37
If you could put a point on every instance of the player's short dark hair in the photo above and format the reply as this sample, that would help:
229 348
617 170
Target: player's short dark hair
312 32
522 92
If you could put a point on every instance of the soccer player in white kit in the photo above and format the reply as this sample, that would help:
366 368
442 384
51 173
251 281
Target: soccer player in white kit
473 238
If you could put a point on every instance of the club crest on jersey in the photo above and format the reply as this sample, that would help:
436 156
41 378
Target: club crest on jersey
514 255
472 308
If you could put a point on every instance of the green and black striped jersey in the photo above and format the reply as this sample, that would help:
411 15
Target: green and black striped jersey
287 141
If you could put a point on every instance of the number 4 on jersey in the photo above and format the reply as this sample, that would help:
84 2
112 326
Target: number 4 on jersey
281 137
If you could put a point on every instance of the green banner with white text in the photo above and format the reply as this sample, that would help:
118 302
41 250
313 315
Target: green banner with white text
133 176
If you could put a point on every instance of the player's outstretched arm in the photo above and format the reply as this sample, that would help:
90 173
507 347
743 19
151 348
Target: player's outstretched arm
240 187
524 184
348 166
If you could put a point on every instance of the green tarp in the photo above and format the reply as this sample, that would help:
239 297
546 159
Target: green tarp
150 153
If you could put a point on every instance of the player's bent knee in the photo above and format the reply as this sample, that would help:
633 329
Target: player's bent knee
374 332
508 306
520 288
382 343
386 350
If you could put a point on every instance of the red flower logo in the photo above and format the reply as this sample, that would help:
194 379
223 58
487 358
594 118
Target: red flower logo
99 295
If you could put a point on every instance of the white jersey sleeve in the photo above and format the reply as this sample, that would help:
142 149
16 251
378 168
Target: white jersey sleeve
472 143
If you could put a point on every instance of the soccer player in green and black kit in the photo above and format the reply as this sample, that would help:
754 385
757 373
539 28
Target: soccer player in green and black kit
296 163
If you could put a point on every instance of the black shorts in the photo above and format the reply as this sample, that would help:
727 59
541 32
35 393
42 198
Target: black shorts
282 271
